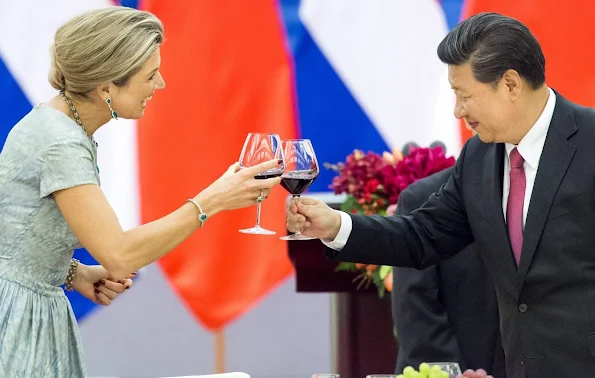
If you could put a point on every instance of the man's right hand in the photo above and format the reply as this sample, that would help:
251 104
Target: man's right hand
313 218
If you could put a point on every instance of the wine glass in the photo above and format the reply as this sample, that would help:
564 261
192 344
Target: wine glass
452 368
301 169
259 148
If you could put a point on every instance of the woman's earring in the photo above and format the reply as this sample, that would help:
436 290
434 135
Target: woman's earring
109 104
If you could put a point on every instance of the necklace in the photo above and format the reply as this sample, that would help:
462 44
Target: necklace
76 117
79 122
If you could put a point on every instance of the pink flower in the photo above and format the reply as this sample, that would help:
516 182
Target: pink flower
392 158
392 209
420 163
388 158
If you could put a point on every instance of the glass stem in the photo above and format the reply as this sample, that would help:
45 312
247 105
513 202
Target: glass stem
258 214
296 198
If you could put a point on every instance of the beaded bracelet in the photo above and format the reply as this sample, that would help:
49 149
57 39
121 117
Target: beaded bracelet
74 263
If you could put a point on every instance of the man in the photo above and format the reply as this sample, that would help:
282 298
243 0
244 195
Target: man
440 311
522 190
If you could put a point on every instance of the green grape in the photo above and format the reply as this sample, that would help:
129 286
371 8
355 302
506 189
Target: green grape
436 368
408 371
434 374
400 376
444 374
424 368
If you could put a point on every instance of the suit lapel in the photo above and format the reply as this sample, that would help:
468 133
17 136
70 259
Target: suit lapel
493 167
554 162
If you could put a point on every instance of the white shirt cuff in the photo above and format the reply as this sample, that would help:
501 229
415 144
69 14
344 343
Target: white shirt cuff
343 235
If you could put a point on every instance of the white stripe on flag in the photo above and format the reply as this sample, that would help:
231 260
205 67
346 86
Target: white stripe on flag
117 157
27 31
385 53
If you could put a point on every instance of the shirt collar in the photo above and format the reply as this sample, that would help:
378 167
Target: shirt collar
531 146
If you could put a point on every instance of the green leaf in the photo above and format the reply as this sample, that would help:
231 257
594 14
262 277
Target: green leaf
384 271
351 204
346 266
379 282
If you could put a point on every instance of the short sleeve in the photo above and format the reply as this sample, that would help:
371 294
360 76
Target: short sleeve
66 165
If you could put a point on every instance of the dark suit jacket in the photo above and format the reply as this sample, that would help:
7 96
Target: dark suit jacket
547 305
440 311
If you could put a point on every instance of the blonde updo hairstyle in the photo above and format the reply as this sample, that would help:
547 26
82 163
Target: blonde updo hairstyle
102 46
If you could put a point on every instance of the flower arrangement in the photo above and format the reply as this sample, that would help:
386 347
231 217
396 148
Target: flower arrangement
373 184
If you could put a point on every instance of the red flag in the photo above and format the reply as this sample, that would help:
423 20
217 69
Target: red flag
227 74
565 31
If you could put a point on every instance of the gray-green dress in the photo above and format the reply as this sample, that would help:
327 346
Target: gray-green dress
45 152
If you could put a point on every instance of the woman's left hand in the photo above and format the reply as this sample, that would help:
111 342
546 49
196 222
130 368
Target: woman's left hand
95 284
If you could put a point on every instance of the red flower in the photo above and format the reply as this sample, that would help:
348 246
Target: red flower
372 186
358 170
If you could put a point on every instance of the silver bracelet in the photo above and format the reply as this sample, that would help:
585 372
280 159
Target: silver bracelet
202 216
74 263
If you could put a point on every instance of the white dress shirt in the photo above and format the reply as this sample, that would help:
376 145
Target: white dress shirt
530 148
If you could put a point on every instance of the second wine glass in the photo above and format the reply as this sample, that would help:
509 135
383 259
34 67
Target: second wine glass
259 148
301 169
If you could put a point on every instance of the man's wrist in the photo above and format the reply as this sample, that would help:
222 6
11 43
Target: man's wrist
335 228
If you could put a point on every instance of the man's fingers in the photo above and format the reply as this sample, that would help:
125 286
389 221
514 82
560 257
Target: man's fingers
308 201
293 207
297 222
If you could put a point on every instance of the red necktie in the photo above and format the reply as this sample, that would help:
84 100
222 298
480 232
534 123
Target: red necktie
516 200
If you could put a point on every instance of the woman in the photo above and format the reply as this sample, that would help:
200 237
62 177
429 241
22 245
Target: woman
105 64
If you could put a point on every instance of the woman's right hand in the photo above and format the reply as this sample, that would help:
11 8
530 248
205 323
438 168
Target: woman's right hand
237 188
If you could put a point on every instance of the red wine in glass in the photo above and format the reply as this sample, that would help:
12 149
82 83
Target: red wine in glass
269 174
301 169
297 182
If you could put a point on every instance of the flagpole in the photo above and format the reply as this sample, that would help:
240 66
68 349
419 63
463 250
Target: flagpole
220 351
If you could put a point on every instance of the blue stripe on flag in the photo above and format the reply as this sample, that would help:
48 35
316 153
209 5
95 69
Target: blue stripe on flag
129 3
13 103
452 11
328 113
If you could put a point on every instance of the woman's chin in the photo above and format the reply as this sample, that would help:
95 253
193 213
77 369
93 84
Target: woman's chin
136 115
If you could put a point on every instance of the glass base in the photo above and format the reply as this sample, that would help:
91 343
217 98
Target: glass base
257 230
297 237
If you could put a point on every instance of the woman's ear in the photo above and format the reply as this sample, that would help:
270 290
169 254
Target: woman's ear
103 91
